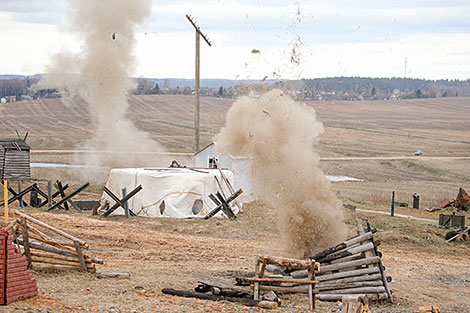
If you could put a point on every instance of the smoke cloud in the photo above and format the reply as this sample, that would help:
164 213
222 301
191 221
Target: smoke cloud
105 65
279 134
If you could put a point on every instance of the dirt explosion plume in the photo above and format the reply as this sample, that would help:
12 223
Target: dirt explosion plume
279 134
105 64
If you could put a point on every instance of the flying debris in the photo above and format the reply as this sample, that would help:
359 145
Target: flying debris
114 36
254 51
267 113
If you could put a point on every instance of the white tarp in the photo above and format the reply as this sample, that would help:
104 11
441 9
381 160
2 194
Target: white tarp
178 188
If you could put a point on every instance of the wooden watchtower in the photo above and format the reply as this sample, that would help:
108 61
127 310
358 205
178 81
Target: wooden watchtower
14 160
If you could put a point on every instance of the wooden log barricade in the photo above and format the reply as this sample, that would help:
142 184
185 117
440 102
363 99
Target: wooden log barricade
47 247
353 267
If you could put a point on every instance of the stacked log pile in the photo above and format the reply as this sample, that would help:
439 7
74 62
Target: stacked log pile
46 247
353 267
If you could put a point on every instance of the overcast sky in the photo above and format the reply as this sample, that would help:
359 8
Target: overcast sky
329 38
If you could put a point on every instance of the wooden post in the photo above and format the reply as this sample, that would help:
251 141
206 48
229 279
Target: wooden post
49 193
256 289
19 190
198 93
78 248
311 287
27 251
197 79
126 204
5 197
393 204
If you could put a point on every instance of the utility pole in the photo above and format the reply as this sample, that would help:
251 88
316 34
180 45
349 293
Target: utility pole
197 78
406 64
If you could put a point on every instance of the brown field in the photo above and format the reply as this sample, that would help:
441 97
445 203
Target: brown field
172 253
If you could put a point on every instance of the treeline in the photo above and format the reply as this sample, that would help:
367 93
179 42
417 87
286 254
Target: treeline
384 87
349 88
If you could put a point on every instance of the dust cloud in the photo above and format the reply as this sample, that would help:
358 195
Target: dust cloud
103 70
279 134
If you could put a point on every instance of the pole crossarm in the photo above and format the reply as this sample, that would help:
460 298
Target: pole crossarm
190 19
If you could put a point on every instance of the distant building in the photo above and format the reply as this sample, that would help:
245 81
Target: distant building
26 98
240 166
12 98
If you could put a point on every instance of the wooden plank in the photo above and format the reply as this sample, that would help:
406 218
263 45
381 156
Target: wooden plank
78 248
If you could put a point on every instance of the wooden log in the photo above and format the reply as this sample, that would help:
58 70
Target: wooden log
339 297
381 267
43 247
375 283
341 246
205 296
351 273
27 251
57 231
275 269
281 289
348 258
379 289
287 262
224 284
38 232
11 225
66 246
347 252
350 279
53 267
282 280
349 264
57 256
112 275
78 248
38 259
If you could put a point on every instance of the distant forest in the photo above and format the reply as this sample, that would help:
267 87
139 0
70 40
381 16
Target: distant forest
347 88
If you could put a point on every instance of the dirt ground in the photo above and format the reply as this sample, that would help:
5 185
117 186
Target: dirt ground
167 253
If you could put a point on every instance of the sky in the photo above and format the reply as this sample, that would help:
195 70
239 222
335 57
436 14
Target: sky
256 39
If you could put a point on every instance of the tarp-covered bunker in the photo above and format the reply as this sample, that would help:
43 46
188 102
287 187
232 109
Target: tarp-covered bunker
168 192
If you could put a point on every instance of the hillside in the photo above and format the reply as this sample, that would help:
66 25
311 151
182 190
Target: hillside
438 126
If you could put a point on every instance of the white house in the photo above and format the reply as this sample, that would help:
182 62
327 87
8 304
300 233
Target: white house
240 166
